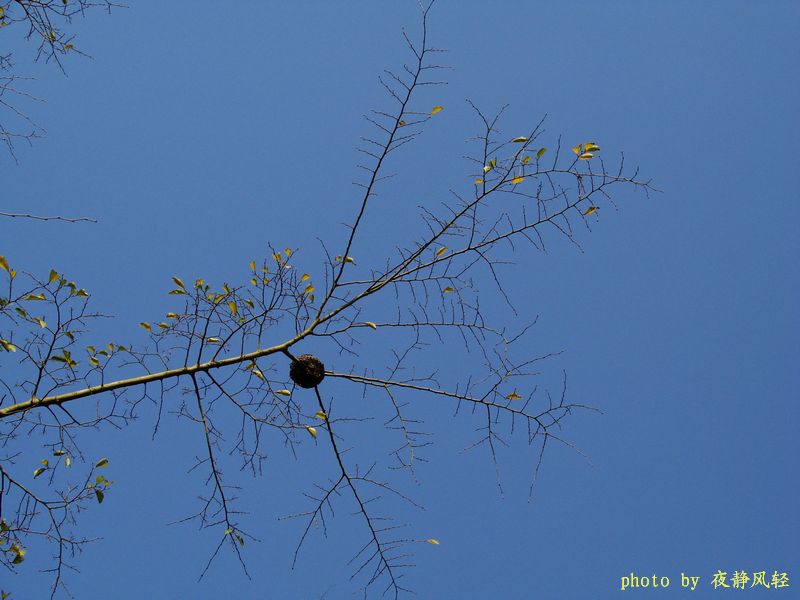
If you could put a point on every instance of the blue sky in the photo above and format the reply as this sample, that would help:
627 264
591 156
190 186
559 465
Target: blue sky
196 136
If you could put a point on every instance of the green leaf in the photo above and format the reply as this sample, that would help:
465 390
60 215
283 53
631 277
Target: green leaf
100 495
53 276
240 539
103 462
526 160
520 139
39 471
541 152
312 431
7 346
34 297
179 282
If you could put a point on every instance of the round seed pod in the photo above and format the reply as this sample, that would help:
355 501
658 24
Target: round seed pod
307 371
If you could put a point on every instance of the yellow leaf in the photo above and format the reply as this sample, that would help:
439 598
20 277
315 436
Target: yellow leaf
284 392
486 169
590 211
520 139
179 283
34 297
146 326
400 123
320 414
68 47
441 251
172 315
39 471
586 156
52 35
252 266
288 252
4 264
305 277
433 541
436 109
448 289
309 289
518 179
41 323
478 181
103 462
591 147
371 324
53 276
68 461
526 160
233 307
541 152
8 346
578 149
349 259
312 431
513 396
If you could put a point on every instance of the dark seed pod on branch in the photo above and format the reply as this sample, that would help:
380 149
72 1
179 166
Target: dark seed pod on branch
307 371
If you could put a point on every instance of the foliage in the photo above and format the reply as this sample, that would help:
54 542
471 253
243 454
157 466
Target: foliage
227 350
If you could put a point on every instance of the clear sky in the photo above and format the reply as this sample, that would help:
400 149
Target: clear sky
198 133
